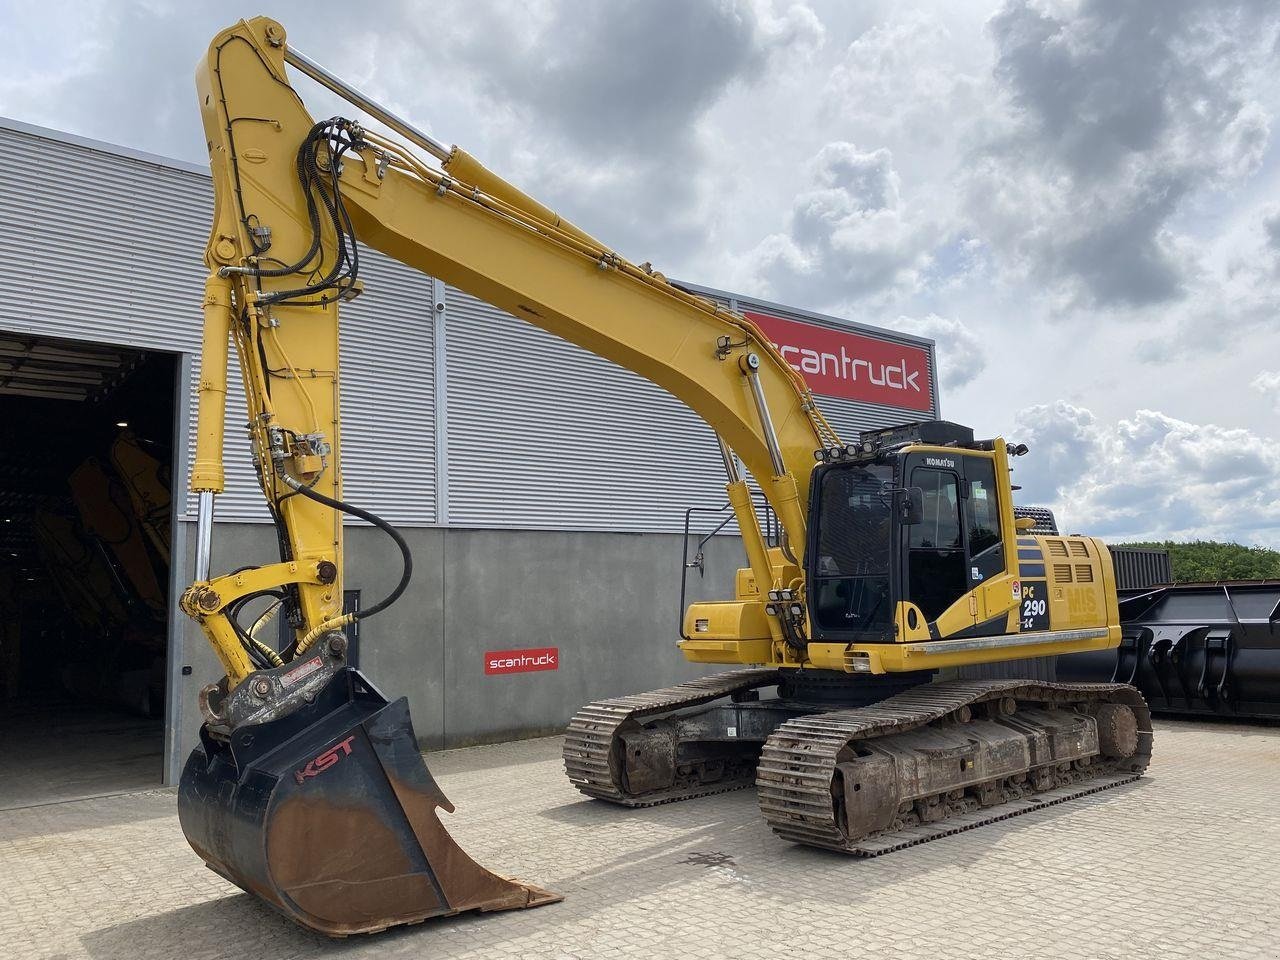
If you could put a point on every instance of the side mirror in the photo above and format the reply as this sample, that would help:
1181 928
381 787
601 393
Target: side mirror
913 505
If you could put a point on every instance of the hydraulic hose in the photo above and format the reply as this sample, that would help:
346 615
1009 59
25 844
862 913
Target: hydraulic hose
405 554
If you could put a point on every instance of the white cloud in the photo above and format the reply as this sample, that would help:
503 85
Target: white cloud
1117 120
792 29
905 82
1267 383
1149 476
961 356
850 235
599 110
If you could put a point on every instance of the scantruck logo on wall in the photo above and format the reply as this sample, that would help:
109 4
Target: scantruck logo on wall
522 661
836 363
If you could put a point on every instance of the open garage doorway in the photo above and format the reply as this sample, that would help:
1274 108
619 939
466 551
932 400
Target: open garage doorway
86 457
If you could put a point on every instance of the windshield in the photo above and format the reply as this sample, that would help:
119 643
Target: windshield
853 549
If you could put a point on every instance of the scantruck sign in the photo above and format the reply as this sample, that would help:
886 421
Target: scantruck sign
837 363
522 661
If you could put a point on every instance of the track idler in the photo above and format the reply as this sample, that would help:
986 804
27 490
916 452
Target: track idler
329 814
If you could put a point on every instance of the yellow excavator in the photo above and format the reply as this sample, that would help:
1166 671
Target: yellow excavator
901 555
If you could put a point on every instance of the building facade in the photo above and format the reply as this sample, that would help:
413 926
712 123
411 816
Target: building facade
543 490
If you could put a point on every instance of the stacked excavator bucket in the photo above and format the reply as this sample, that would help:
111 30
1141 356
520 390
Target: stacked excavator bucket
1195 648
330 815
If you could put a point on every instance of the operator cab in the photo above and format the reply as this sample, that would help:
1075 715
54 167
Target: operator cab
906 514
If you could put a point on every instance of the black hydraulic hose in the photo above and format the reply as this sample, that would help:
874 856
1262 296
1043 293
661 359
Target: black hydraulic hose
378 522
794 638
313 184
305 160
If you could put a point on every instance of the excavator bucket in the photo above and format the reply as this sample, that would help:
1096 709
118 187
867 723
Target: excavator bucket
329 815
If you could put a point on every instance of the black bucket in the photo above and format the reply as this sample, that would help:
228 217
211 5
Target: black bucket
329 815
1195 648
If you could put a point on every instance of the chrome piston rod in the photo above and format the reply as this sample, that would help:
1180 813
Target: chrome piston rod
376 110
204 533
730 464
751 368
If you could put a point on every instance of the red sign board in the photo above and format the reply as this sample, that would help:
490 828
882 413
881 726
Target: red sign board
836 363
522 661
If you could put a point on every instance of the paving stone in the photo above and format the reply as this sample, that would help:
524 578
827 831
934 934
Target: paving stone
1184 863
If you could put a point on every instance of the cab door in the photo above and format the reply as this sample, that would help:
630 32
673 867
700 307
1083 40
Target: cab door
984 543
935 555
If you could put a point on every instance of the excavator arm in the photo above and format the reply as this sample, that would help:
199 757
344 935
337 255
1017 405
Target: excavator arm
291 198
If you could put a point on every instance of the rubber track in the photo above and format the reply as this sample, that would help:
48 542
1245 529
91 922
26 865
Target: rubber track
798 762
588 744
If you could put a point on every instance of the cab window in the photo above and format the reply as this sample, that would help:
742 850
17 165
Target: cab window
982 521
940 526
855 520
936 573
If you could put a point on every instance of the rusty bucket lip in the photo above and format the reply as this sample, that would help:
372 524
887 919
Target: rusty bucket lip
395 853
537 897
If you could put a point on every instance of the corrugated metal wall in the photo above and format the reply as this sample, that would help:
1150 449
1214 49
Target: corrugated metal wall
543 434
100 244
851 416
96 246
387 353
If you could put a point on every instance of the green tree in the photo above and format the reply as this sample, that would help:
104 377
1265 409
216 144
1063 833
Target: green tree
1200 560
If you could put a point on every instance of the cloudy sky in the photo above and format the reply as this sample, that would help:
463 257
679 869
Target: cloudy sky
1079 200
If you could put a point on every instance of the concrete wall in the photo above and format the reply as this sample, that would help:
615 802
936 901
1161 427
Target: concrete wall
607 601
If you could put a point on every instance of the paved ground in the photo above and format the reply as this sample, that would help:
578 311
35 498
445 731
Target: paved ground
68 750
1185 863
